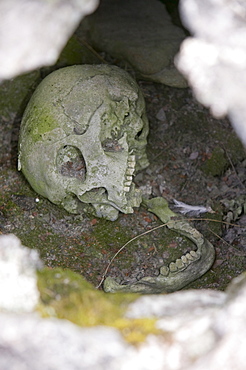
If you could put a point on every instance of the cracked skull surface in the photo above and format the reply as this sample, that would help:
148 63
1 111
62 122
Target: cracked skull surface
83 137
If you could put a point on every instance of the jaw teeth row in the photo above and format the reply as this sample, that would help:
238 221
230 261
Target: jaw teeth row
131 163
180 263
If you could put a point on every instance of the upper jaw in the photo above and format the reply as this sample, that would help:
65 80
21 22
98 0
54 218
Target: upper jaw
131 165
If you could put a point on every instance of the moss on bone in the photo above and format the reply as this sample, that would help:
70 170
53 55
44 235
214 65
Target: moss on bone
40 123
67 103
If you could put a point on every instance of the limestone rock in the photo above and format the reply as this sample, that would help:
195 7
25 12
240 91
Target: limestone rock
197 329
33 33
29 342
141 33
214 59
18 282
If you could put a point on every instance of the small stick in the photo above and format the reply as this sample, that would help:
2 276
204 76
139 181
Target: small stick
93 51
229 245
121 249
147 232
233 167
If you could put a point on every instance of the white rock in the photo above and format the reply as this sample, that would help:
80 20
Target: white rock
199 329
140 32
18 282
214 59
33 33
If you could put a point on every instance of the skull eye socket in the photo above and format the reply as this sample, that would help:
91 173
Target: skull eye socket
71 163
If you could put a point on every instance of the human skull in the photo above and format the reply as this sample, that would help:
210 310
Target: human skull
83 136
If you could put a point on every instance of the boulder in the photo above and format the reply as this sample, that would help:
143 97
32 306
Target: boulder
214 59
33 33
141 33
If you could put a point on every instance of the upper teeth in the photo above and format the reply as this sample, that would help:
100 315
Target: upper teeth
130 171
131 163
129 178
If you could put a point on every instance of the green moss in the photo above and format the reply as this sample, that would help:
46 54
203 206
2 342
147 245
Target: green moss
66 295
46 123
9 208
107 235
235 149
15 93
219 277
217 164
113 238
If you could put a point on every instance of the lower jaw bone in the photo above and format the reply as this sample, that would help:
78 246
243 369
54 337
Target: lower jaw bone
179 273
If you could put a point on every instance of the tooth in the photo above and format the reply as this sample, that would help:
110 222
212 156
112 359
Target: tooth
131 161
173 267
126 189
129 178
132 158
189 257
130 171
164 270
184 259
127 183
179 263
131 165
194 254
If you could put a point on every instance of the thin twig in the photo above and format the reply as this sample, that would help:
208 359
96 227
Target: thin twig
229 245
93 51
121 249
210 219
233 167
147 232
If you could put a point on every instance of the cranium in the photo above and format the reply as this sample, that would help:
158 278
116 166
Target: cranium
83 136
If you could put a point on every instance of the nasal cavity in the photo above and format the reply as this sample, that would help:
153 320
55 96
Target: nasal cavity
138 135
71 163
112 145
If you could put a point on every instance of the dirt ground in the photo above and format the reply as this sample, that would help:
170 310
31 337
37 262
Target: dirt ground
193 158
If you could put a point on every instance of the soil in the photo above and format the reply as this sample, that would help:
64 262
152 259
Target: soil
193 158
